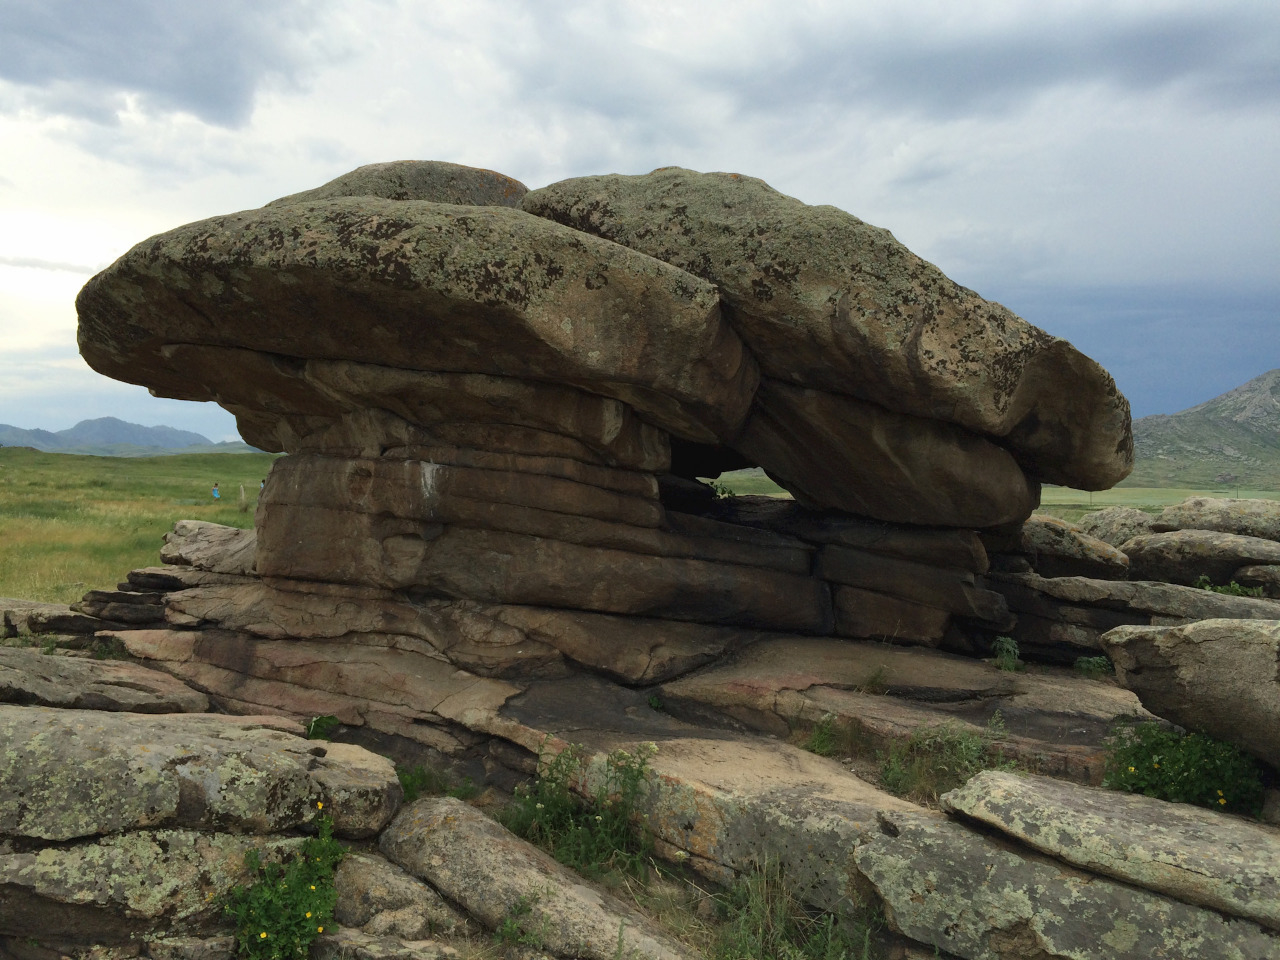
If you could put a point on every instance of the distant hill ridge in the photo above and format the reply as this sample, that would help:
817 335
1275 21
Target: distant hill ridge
1233 439
112 437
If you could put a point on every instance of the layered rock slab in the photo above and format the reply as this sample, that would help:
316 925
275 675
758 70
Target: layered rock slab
1193 855
1052 721
1245 518
1183 556
479 864
947 885
30 678
419 285
1221 677
108 891
77 773
835 452
827 301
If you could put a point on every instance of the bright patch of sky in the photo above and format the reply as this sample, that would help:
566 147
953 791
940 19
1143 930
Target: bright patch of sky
1105 169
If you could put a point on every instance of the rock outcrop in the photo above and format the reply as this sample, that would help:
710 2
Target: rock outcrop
1221 677
487 540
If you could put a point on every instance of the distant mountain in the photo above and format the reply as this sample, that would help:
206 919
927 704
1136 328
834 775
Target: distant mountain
111 437
1231 440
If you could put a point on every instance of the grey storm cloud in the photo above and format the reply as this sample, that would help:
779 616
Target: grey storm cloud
1224 55
205 58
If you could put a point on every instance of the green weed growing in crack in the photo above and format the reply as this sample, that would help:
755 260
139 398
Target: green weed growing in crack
761 917
935 759
1094 667
1231 589
822 738
287 906
419 781
596 836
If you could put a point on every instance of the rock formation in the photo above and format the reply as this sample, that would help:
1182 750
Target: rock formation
487 539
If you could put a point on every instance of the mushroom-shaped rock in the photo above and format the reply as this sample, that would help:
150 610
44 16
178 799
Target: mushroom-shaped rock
432 180
829 302
417 285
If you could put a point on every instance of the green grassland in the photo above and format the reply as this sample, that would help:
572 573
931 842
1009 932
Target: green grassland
73 523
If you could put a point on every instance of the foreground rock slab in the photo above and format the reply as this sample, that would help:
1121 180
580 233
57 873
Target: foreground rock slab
66 774
944 884
30 678
107 891
1221 677
1197 856
493 874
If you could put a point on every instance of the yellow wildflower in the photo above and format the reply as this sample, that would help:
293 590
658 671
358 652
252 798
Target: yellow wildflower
319 805
1131 769
319 929
1221 800
262 935
308 914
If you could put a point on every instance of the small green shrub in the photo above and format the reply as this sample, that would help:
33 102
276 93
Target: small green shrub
419 781
518 928
1185 768
939 758
1231 589
1094 667
876 682
289 905
594 837
323 727
762 918
822 738
723 490
1005 652
655 703
108 648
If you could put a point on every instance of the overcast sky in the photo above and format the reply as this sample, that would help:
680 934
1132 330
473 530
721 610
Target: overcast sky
1107 170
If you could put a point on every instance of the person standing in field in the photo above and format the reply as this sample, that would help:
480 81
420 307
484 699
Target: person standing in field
217 495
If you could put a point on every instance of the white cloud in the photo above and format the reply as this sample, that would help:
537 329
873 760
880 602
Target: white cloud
1061 146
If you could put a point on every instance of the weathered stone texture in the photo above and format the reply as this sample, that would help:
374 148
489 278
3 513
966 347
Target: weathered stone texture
1183 556
944 884
827 301
1221 677
431 180
1193 855
1245 518
29 678
495 287
76 773
479 864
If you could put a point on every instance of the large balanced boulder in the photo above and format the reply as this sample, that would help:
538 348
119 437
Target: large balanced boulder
418 285
1220 677
829 302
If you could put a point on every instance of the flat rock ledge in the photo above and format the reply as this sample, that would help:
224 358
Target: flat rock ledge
966 893
1222 862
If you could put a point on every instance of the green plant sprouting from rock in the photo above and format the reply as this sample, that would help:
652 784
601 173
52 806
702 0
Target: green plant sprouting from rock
1154 760
419 781
1231 589
594 836
1005 652
1094 667
287 906
935 759
760 917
